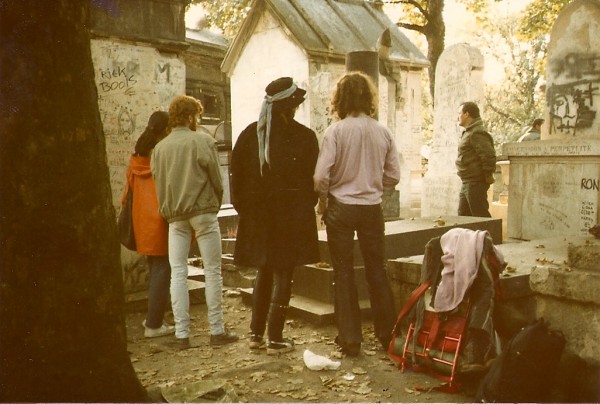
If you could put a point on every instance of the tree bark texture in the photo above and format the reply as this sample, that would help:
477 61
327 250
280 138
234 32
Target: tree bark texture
435 32
62 326
433 28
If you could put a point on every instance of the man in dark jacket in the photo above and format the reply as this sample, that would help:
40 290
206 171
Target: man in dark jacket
534 131
476 162
272 165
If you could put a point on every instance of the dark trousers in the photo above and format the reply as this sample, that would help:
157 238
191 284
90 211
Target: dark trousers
158 290
472 200
482 294
341 222
270 300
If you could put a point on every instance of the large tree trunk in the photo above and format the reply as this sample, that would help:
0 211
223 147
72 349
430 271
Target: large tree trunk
435 32
434 29
62 328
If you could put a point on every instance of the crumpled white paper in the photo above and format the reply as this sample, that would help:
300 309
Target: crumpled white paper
318 362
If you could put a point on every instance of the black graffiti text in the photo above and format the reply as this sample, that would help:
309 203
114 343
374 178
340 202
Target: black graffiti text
590 184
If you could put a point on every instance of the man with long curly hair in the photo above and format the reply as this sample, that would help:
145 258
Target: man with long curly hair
186 169
357 162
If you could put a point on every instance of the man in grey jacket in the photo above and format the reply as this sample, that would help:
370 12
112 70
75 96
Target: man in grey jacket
185 166
476 162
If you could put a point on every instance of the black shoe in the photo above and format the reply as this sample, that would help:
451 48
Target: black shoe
277 347
226 337
350 349
257 342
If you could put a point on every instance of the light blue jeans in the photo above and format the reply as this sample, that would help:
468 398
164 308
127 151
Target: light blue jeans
208 237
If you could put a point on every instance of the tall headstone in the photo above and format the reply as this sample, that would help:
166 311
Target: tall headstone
573 73
459 78
555 182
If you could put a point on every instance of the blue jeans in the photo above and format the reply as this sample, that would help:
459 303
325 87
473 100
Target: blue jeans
208 237
341 222
158 290
472 200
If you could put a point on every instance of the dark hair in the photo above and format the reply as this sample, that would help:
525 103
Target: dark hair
354 92
153 133
471 108
536 122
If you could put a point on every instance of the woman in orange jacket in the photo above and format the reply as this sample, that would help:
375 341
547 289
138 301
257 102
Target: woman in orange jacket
149 227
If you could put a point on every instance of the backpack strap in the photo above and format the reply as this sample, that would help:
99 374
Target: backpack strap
412 300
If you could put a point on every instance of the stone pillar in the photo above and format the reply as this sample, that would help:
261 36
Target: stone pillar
366 62
459 78
555 182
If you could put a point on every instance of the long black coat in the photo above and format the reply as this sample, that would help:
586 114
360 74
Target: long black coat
277 224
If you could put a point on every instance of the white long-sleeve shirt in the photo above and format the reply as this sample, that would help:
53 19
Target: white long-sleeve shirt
357 162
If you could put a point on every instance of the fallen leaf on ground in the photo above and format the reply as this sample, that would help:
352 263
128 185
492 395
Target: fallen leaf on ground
359 371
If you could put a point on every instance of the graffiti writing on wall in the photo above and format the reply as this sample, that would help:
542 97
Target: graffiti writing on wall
590 184
116 79
126 123
162 73
587 214
571 103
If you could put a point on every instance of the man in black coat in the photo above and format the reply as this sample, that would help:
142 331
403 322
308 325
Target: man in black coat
272 165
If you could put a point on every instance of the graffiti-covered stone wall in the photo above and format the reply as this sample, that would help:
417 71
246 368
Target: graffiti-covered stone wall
132 82
573 73
554 187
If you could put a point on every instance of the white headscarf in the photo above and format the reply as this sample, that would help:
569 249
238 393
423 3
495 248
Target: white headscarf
263 129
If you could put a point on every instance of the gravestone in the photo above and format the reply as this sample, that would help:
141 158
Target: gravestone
459 78
555 182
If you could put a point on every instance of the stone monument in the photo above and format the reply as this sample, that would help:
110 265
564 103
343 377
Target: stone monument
555 182
459 78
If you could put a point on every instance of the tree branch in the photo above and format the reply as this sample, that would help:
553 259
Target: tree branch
413 3
414 27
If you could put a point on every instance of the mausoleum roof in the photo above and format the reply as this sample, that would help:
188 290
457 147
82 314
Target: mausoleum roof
206 38
329 28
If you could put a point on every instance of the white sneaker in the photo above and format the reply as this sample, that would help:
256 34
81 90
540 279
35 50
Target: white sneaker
158 332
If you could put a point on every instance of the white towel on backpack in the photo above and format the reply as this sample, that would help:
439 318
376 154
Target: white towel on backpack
462 250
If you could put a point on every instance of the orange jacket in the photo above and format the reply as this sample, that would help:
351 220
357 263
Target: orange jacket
150 228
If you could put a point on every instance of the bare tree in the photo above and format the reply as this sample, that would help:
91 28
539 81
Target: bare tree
62 332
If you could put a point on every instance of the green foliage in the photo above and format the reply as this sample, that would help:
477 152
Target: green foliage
226 15
514 102
538 17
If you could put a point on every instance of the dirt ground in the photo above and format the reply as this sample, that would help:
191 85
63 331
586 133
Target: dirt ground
234 373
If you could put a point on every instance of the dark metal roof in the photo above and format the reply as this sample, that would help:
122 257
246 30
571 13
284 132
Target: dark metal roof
206 37
330 28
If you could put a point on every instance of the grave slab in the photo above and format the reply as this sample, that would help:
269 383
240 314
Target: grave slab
404 238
